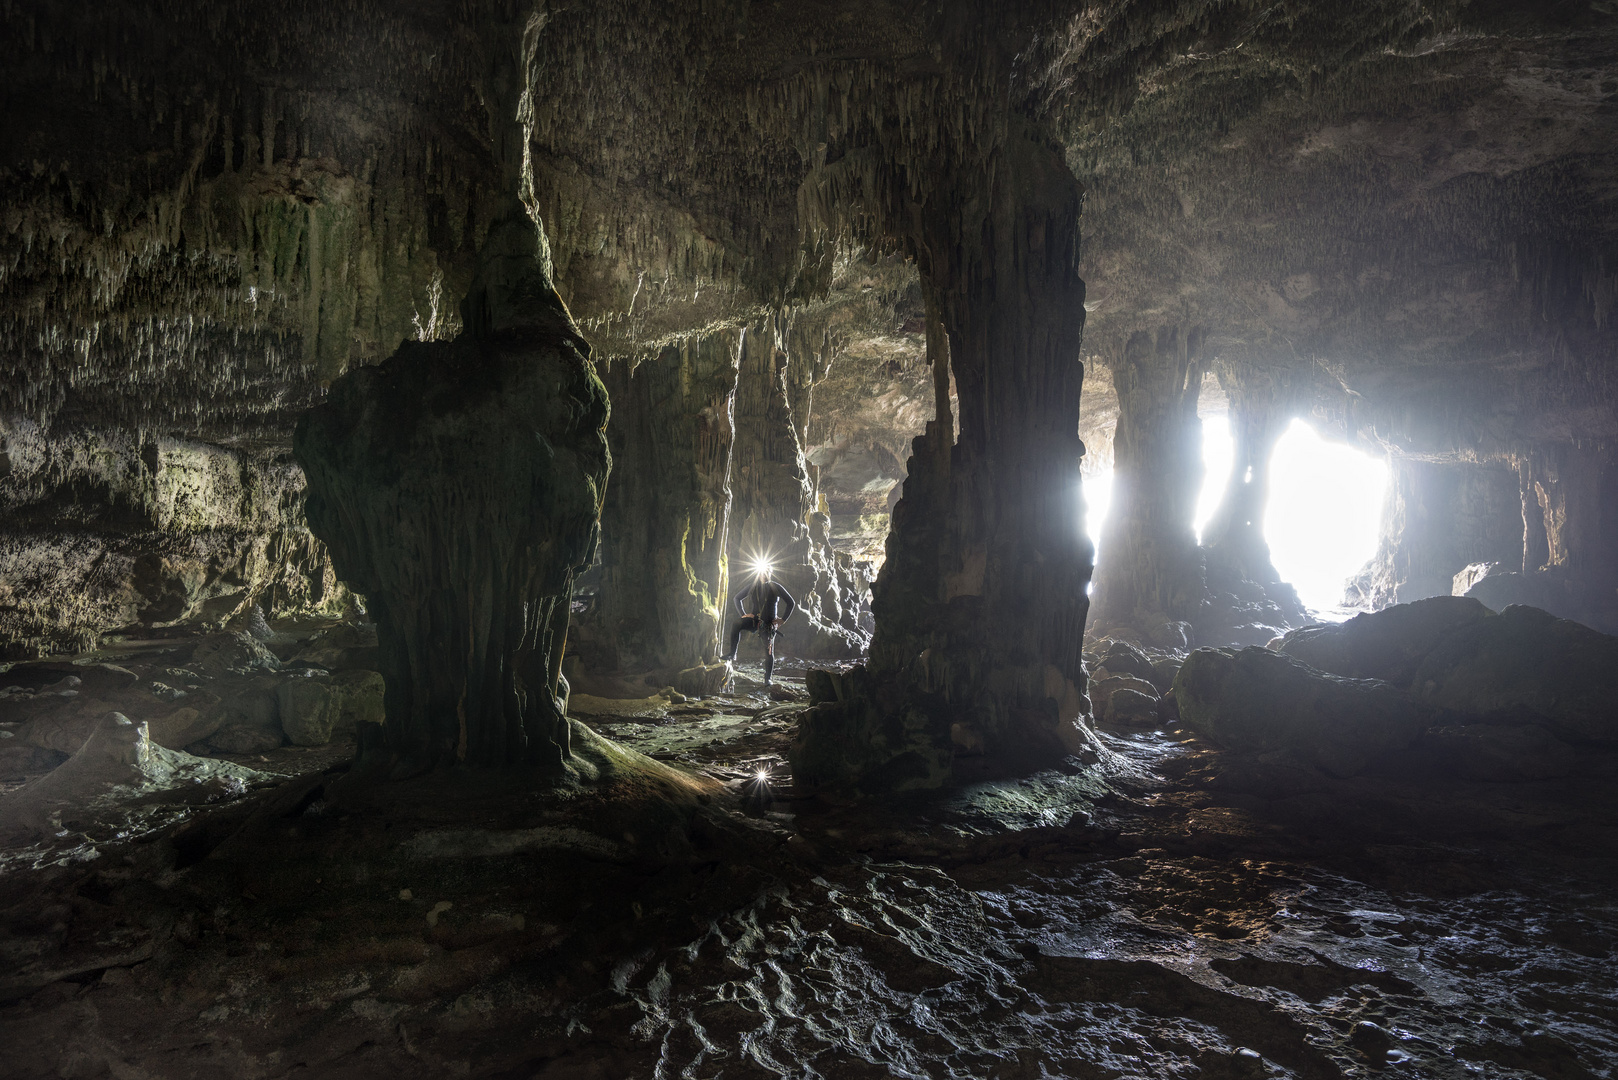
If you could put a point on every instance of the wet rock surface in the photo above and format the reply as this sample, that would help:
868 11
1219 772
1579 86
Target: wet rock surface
1171 909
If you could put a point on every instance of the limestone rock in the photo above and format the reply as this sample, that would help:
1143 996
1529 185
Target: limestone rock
1500 752
1123 698
346 645
314 710
249 719
238 653
1126 658
703 680
1127 705
1527 665
1389 644
1256 701
118 762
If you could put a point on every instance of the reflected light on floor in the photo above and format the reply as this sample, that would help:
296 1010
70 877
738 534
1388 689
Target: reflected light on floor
1324 513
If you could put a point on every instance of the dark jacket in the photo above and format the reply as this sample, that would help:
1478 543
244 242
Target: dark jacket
764 599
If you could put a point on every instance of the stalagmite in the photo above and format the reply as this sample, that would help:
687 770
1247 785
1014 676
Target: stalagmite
981 603
458 486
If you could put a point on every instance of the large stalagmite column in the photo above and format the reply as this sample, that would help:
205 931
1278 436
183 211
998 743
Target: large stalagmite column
1150 571
981 604
458 486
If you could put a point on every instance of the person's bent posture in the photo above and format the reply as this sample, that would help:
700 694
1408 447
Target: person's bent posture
762 612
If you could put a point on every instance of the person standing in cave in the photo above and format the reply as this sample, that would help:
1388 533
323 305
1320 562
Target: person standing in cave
761 611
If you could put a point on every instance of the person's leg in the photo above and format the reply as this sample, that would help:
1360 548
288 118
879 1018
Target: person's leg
737 628
769 657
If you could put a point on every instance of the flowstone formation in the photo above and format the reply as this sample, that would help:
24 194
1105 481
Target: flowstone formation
458 486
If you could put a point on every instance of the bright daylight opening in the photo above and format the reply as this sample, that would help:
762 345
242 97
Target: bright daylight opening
1323 515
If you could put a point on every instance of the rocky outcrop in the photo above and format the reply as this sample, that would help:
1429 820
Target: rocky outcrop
1389 645
104 532
1256 701
1508 697
1526 666
458 487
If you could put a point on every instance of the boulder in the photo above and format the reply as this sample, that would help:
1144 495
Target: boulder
1499 752
1527 666
1389 644
249 718
314 710
346 645
1256 701
1125 658
1126 705
233 654
1164 671
1122 698
1469 576
703 680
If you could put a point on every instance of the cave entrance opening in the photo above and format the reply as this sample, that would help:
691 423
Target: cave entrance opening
1321 520
1324 515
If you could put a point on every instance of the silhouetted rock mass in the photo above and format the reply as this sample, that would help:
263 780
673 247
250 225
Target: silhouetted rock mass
458 486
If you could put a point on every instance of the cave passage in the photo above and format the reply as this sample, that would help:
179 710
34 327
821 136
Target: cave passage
1321 517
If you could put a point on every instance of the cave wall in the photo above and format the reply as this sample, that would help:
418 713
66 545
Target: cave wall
105 533
1437 518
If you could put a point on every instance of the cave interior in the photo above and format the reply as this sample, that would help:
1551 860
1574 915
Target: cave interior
396 401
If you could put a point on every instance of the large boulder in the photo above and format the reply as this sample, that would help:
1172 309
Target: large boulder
313 710
1389 644
1256 701
1527 666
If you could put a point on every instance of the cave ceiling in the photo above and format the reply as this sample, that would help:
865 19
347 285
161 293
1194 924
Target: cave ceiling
1402 210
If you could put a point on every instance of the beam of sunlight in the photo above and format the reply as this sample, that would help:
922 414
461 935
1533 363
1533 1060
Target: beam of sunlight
1324 513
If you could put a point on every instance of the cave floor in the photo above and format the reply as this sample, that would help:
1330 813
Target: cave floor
1158 915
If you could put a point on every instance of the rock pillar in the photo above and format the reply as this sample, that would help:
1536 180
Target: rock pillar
458 486
1149 570
1247 600
661 597
980 606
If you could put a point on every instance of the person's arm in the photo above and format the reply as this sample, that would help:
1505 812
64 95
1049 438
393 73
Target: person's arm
792 605
741 603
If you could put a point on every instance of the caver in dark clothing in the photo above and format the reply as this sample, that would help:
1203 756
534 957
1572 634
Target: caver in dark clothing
761 608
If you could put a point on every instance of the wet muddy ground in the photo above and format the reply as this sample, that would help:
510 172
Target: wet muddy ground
1166 914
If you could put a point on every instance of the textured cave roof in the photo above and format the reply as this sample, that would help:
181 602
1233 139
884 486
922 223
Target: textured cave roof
1402 210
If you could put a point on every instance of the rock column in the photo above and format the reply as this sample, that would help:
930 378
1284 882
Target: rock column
660 605
458 486
1149 574
980 606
